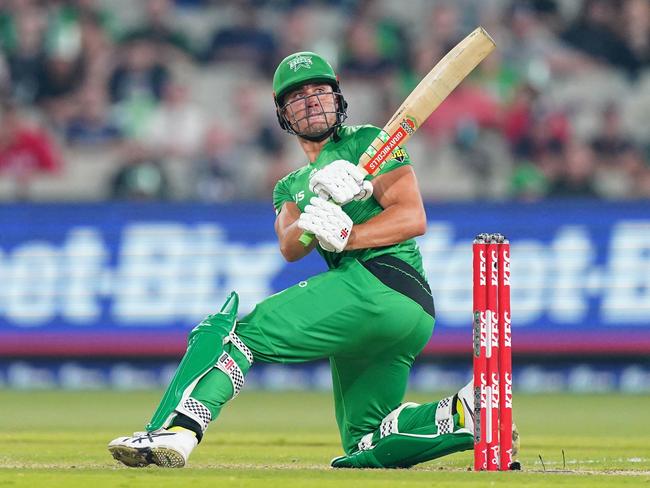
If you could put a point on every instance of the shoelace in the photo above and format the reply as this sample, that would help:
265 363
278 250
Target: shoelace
143 434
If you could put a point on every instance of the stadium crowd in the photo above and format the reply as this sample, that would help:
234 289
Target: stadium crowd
162 99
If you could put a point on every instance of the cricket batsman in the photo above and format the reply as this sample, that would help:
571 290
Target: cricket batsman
370 314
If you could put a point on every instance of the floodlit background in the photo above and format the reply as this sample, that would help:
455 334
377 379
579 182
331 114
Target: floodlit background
139 148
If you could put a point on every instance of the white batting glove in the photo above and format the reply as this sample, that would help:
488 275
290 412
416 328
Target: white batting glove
341 181
328 222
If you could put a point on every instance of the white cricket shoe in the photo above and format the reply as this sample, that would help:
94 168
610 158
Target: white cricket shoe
466 396
161 447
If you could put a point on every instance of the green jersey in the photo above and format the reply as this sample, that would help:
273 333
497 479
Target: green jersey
349 145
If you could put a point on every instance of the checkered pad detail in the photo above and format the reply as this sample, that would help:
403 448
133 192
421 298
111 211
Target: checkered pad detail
365 443
445 426
444 419
243 348
197 411
388 427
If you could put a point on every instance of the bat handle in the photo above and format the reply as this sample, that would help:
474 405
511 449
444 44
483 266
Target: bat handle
306 238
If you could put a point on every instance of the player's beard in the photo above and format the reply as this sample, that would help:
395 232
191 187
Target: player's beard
317 123
314 121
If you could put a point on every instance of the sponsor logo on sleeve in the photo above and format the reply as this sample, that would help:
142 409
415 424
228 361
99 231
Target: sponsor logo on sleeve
398 154
299 197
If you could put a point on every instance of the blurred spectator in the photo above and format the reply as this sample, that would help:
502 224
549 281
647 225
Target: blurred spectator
594 33
176 126
532 128
24 47
474 155
140 177
158 30
213 168
139 74
66 16
246 41
298 31
642 184
60 76
277 167
575 178
534 49
362 57
636 29
443 26
392 41
528 182
137 85
468 105
610 142
97 50
25 150
257 126
59 60
548 13
9 11
425 55
256 142
518 115
635 171
500 79
92 123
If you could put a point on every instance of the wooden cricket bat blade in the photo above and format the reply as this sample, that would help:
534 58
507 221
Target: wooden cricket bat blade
434 88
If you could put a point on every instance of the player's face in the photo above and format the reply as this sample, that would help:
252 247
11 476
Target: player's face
311 109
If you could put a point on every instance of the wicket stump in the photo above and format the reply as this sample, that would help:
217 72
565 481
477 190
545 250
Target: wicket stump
492 341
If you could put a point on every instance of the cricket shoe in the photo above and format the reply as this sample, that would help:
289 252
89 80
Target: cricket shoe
466 397
162 447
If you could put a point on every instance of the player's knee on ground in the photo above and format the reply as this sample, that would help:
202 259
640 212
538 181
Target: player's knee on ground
409 435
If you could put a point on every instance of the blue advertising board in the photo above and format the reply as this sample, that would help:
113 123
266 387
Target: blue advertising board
129 279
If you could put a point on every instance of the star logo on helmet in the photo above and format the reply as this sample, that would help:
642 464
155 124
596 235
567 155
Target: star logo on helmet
300 62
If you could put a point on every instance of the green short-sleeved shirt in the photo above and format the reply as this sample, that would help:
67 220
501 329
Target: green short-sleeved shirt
352 141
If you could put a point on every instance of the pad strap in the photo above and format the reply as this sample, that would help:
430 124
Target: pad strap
444 417
366 442
195 410
239 344
228 365
388 426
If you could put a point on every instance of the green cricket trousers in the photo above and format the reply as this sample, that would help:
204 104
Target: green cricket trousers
369 319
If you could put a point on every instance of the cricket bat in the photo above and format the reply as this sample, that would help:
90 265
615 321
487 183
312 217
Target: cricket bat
423 100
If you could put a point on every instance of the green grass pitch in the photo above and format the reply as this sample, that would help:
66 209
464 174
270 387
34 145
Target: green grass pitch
58 439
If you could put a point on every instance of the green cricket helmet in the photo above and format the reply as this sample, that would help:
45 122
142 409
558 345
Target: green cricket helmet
299 69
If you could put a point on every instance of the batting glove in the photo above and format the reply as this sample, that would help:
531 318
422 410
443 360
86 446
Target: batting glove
341 181
328 222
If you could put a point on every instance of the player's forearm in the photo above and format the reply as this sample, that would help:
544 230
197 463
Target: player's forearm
394 224
288 232
290 246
